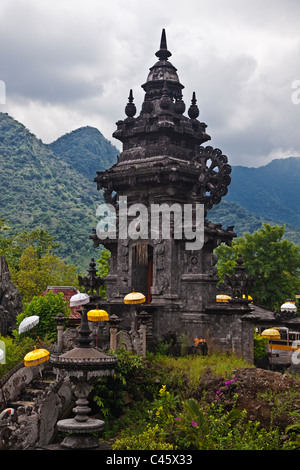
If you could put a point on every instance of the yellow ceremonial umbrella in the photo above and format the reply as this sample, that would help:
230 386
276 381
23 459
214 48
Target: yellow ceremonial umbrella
223 298
36 357
97 315
134 298
271 333
249 298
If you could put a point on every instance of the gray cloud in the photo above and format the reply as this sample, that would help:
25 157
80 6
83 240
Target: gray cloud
71 63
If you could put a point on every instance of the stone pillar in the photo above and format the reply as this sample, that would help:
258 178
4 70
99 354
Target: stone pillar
143 329
113 329
60 320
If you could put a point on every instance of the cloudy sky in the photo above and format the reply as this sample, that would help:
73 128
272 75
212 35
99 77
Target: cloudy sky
71 63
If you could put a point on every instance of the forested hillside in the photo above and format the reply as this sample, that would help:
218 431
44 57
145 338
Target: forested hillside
52 187
40 190
86 150
271 191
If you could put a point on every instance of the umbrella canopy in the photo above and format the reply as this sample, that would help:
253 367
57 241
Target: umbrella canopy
79 299
271 333
2 355
223 298
134 298
97 315
289 306
36 357
28 323
249 298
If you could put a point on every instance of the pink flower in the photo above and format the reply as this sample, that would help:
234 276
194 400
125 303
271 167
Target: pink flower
194 423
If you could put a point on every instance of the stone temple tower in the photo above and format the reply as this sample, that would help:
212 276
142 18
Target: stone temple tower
164 162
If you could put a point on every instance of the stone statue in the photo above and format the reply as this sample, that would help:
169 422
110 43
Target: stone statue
10 300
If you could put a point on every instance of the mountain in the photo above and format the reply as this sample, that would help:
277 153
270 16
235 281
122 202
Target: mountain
51 186
86 150
39 189
230 213
271 191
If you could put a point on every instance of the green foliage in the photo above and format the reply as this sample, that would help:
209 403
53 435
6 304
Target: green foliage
32 263
37 272
274 261
43 191
103 269
14 352
293 433
271 190
230 213
109 392
99 153
152 438
260 347
46 308
188 426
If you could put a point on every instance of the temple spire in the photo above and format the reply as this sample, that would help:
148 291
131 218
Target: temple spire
163 52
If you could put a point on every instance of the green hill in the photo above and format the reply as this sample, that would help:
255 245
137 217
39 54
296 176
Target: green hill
271 191
40 190
86 150
52 187
230 213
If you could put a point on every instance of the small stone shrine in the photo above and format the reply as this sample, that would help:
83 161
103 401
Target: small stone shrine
163 161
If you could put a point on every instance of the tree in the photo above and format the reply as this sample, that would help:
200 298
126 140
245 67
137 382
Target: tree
103 269
37 272
13 245
32 264
274 261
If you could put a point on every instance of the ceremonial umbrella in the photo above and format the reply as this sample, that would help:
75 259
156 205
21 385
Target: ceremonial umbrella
79 299
36 357
271 333
134 298
97 315
28 323
223 298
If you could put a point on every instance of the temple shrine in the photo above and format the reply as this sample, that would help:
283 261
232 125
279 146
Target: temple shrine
164 162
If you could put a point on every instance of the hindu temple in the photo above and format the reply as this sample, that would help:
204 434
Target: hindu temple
165 164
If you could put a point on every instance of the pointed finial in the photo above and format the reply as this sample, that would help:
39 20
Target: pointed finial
130 109
193 111
163 52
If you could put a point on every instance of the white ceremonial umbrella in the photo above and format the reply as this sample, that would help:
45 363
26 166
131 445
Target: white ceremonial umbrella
79 299
28 323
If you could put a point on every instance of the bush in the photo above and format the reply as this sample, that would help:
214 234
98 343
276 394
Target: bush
14 352
109 392
46 308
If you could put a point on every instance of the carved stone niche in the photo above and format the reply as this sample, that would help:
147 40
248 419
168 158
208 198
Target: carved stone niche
10 300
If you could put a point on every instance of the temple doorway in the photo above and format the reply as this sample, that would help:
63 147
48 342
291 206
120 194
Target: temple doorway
142 269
